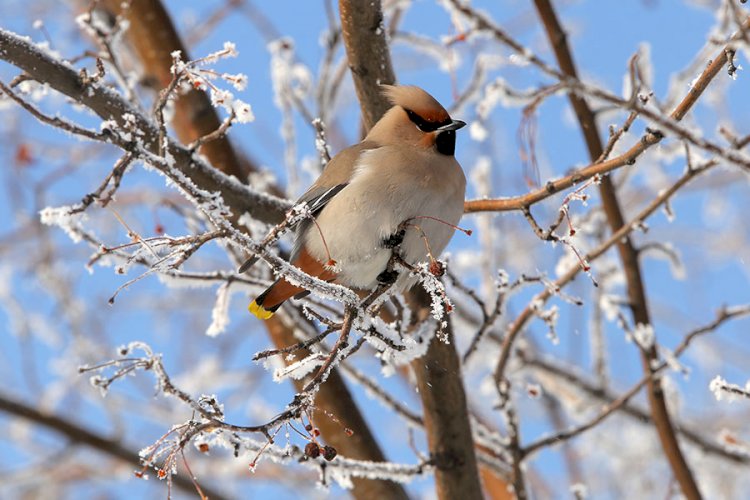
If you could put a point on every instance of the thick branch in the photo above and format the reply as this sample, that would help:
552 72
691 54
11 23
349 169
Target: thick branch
369 58
153 38
446 421
438 373
628 253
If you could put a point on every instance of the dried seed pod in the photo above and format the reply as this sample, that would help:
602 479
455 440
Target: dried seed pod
436 268
329 453
312 450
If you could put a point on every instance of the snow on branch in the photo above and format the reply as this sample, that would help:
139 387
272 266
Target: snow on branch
40 65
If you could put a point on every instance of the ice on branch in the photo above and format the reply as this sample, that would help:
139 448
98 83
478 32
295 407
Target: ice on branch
644 335
415 347
226 100
609 305
579 491
477 131
220 312
65 218
230 49
300 369
287 75
34 90
201 78
520 60
721 389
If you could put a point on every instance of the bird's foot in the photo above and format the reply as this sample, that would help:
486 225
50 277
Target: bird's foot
387 277
394 240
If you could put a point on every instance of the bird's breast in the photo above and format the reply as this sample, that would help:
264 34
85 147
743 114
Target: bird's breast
386 190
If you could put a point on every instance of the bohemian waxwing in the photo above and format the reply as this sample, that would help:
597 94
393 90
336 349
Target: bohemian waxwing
404 170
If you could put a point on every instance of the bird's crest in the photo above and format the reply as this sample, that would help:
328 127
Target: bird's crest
415 99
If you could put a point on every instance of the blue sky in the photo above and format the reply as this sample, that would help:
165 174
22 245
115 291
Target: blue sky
603 36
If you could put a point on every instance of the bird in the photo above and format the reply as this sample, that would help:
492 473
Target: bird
401 188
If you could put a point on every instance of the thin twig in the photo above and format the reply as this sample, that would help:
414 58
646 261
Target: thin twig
724 315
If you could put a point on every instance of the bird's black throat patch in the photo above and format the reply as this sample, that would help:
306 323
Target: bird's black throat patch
446 142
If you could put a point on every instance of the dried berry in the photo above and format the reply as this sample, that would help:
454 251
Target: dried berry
436 268
329 453
312 450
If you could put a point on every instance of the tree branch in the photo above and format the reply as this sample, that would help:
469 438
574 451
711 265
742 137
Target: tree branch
627 158
110 105
517 326
333 397
369 58
608 398
438 372
153 37
628 253
725 314
82 435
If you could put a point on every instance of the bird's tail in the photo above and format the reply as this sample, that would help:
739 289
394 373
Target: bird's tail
269 301
266 304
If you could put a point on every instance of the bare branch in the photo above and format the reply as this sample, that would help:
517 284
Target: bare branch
724 315
79 434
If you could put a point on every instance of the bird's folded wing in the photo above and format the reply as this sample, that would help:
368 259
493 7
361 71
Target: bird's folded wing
316 198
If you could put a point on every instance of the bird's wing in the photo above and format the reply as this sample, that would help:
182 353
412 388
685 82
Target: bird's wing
318 197
335 177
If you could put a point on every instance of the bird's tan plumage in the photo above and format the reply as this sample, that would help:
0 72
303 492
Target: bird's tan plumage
403 170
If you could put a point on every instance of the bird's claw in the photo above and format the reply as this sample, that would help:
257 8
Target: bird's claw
387 277
394 240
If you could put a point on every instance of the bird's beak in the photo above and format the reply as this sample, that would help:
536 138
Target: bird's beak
453 125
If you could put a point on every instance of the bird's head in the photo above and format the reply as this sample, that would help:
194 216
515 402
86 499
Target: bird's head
416 118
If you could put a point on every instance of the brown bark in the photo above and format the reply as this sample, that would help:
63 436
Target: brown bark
153 37
368 54
628 255
446 418
438 373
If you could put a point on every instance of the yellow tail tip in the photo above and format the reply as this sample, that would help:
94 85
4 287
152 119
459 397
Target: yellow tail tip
258 311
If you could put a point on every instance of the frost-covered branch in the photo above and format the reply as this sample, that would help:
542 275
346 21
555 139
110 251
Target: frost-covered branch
724 315
111 106
723 389
76 433
607 397
599 167
517 326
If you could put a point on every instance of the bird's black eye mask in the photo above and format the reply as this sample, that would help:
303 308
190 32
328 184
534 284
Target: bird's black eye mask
424 125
